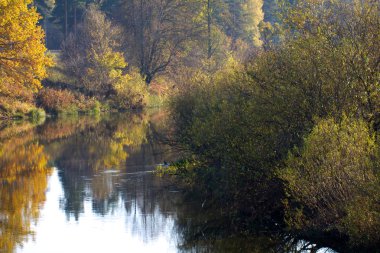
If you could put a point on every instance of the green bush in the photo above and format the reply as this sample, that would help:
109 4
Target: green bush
37 115
331 180
130 92
243 123
220 122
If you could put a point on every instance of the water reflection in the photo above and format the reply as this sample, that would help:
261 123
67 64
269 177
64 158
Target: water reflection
23 181
102 194
87 158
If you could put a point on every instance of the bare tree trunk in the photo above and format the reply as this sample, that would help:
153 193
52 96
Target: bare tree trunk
209 45
46 31
75 20
66 21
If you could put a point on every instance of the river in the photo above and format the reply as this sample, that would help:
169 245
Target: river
86 184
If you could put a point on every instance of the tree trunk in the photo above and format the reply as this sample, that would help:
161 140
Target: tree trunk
66 21
209 45
75 20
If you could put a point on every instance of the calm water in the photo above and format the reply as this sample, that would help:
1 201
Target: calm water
86 185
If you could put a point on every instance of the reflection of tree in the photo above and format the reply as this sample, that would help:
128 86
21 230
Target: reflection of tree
23 181
14 129
60 128
92 151
149 205
208 230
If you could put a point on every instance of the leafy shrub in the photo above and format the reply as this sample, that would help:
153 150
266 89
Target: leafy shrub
56 101
15 107
332 177
130 92
37 115
66 102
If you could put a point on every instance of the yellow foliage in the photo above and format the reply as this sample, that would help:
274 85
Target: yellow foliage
23 176
131 90
22 55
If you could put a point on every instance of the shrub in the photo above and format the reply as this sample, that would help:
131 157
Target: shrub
159 92
87 104
15 107
57 101
331 178
37 115
130 92
220 122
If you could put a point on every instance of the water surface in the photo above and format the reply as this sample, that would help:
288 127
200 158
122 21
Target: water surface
86 185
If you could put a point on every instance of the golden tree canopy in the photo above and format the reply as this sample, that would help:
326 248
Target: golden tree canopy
22 49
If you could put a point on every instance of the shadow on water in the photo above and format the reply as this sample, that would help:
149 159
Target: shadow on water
106 164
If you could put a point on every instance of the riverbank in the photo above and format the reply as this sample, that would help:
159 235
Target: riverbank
60 97
289 140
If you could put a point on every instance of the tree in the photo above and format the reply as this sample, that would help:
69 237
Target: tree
92 56
45 8
244 19
95 60
67 14
342 42
22 50
253 15
156 31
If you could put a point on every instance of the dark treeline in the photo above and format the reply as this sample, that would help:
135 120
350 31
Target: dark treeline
236 18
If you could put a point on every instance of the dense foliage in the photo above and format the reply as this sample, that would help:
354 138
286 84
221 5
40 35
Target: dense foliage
93 58
334 172
22 57
289 139
280 119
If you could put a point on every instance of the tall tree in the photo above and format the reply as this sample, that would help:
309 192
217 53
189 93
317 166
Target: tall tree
253 15
67 15
156 31
243 20
22 50
92 57
45 8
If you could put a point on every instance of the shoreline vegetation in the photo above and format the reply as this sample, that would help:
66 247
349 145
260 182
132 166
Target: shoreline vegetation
288 142
88 75
276 104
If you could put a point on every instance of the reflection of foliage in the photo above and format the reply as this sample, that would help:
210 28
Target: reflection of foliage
23 178
131 131
65 127
206 230
11 129
149 205
92 150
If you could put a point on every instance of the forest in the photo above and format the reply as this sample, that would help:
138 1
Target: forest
90 56
275 104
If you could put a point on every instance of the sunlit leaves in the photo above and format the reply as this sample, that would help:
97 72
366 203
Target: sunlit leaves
22 49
